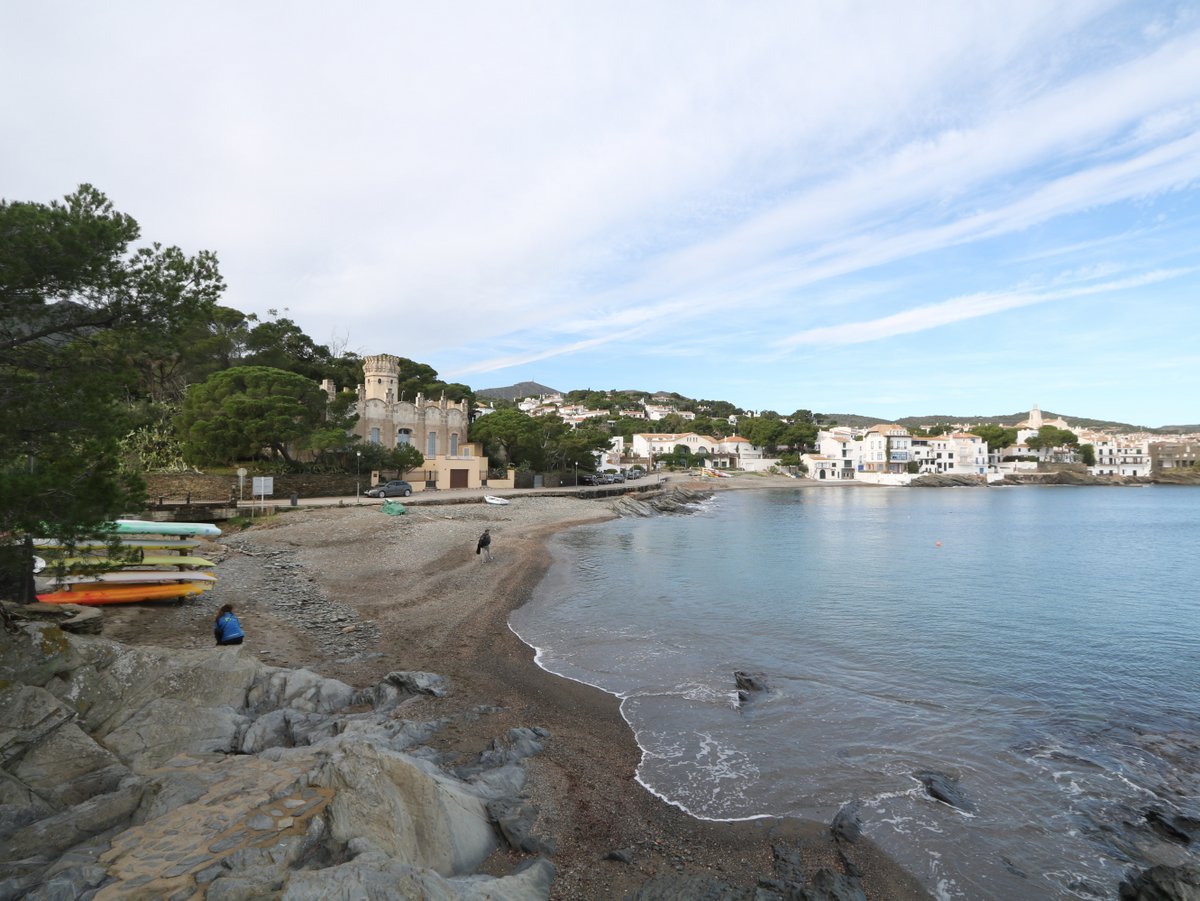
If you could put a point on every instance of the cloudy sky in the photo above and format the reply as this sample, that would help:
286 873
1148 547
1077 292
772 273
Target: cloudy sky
883 208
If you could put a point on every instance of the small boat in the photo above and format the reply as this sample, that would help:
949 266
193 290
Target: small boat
146 576
92 546
146 527
93 595
492 499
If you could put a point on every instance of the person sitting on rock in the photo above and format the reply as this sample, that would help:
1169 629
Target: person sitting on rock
227 629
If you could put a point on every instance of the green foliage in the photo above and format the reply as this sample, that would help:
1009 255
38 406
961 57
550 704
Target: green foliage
1087 454
80 314
506 435
511 437
154 447
237 413
1049 436
996 436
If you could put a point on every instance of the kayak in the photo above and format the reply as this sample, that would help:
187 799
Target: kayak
123 594
146 527
93 546
147 576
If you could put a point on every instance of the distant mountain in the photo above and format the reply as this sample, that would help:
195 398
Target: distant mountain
1005 419
517 391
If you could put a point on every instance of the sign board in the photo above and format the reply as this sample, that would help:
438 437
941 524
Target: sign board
264 485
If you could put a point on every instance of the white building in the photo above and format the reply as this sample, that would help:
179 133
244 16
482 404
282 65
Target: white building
1118 455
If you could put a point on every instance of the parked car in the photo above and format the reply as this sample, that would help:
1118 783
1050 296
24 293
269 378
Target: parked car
634 474
394 488
589 478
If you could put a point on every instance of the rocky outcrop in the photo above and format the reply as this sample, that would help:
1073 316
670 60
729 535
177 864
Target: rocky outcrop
1163 883
948 480
145 772
944 788
677 500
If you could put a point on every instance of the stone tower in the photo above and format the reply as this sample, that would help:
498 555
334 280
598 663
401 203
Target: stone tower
381 378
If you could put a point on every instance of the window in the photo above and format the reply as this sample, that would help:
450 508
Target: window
454 444
374 436
431 445
404 436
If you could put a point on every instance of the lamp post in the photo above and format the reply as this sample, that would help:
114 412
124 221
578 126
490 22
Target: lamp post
357 476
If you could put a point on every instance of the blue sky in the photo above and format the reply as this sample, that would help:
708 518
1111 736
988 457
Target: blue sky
881 208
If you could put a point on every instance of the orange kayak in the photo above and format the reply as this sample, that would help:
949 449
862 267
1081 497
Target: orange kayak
94 594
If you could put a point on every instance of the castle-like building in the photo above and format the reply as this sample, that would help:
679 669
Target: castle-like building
437 428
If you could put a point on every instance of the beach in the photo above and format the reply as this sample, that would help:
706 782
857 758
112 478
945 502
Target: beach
355 594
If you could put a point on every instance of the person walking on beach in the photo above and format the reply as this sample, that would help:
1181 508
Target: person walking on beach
484 547
227 629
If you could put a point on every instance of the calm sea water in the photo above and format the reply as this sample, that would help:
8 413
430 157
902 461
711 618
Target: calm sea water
1042 645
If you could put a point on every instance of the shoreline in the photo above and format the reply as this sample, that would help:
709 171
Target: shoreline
436 608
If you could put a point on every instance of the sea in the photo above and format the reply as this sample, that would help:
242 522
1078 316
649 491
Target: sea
1040 645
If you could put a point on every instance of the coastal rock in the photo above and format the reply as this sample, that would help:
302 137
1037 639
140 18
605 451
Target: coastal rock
827 885
373 875
749 684
677 500
947 480
944 788
750 681
847 824
169 773
1174 827
1163 883
515 819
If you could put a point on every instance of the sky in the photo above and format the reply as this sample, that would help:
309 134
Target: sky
890 209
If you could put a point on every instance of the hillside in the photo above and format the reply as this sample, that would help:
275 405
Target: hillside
517 391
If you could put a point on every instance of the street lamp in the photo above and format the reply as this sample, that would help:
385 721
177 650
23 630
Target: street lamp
357 475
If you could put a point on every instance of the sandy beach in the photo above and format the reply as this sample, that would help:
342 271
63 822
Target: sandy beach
354 594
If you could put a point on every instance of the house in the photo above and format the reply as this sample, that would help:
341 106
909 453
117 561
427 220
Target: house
734 452
886 448
1118 455
437 428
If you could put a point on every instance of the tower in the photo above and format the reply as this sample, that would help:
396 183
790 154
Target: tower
381 377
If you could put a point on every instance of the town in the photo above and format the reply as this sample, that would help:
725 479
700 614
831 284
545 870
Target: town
884 453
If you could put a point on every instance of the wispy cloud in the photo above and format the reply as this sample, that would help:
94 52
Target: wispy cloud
958 309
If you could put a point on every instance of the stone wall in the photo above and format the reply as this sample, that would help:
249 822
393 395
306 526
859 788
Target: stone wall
174 486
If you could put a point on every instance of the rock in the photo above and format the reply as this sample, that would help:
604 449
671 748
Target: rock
515 819
620 855
1163 883
1174 827
944 788
374 876
827 885
416 683
55 834
421 818
847 824
43 748
750 681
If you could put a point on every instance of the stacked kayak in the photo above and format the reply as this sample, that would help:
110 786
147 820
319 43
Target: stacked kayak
155 563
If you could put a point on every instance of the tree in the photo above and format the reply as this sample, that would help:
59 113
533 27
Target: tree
237 413
996 436
1087 453
504 434
1050 436
763 432
78 309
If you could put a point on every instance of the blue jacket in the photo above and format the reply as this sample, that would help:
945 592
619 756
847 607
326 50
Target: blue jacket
227 628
